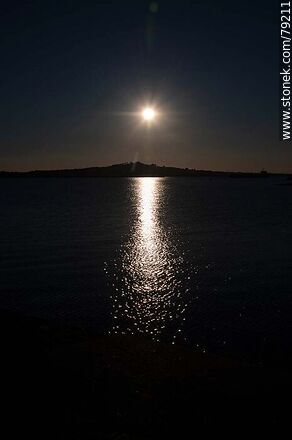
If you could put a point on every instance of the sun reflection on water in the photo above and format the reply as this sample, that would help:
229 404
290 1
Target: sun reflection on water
149 289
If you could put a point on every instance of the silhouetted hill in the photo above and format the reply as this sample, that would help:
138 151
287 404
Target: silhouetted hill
129 169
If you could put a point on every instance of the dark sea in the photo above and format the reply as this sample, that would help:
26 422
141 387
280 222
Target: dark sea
205 262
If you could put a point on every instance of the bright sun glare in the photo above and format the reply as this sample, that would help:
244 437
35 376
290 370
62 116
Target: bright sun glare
148 114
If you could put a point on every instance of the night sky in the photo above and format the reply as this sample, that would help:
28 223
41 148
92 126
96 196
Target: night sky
73 74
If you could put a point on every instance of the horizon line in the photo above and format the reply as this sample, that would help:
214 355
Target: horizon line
145 164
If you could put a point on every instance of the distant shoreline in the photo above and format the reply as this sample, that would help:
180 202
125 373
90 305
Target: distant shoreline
137 169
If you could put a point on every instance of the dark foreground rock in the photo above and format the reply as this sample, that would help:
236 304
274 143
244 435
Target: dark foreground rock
63 384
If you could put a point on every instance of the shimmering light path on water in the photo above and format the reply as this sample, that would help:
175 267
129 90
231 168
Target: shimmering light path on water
209 257
151 280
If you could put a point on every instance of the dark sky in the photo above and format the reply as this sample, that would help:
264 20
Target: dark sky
74 72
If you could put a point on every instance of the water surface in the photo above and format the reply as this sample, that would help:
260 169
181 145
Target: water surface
201 261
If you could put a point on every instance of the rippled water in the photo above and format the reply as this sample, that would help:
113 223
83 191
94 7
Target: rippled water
151 272
201 261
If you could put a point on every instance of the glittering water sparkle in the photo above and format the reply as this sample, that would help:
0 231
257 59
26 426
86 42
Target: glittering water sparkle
150 288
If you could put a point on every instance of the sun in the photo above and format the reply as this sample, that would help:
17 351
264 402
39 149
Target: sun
148 114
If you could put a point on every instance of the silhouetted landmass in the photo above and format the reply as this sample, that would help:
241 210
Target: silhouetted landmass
130 169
